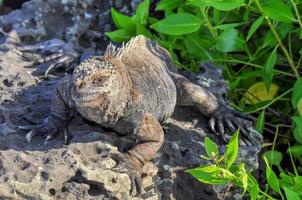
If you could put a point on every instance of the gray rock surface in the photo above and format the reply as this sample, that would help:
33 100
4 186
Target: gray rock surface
83 169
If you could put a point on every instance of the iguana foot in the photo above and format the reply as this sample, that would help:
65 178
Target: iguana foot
59 60
225 118
54 51
125 166
47 130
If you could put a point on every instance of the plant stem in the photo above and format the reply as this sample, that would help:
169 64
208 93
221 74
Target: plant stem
297 13
251 64
208 23
285 52
292 161
299 62
268 196
290 45
275 138
270 103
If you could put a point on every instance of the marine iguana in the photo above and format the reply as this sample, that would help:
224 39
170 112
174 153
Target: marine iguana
132 90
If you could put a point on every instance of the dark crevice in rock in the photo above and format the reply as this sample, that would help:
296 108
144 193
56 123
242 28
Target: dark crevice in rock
2 119
52 191
95 188
14 4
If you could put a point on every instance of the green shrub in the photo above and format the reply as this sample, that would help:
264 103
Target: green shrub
258 44
223 169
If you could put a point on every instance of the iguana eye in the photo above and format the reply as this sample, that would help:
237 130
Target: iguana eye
98 81
79 84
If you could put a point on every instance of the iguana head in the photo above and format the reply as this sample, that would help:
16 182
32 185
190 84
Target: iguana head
95 88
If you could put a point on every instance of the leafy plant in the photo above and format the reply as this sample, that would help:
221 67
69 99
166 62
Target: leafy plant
288 182
257 43
222 169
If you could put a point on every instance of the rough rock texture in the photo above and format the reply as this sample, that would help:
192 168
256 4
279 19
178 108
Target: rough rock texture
80 23
82 169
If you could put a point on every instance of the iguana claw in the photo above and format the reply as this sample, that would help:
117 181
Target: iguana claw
125 166
225 118
48 130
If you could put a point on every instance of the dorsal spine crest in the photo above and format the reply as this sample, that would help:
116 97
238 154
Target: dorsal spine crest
114 52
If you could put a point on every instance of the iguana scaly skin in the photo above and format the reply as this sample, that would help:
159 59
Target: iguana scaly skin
131 91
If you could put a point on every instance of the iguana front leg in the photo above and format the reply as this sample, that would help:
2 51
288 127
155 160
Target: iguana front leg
149 139
221 117
60 115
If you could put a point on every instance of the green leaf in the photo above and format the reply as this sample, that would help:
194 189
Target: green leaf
198 46
216 16
297 120
286 180
229 41
232 149
299 107
245 16
234 84
284 29
211 147
279 11
141 30
254 192
168 4
178 44
260 122
269 38
298 185
178 24
229 26
258 93
269 69
291 195
208 174
225 5
122 21
297 93
273 157
296 151
271 178
152 20
120 35
197 3
142 12
256 24
250 74
244 182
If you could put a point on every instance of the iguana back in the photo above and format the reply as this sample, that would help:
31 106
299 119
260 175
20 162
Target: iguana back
149 75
